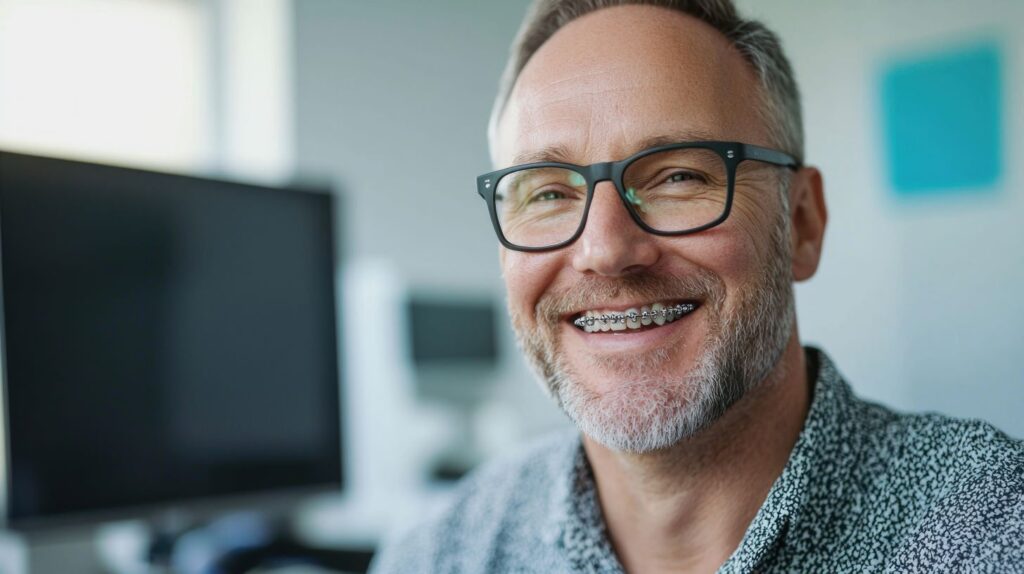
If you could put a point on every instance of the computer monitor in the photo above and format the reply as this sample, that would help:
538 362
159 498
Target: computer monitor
452 330
168 341
453 343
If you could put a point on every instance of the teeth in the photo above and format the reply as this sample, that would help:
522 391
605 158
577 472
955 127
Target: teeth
618 323
632 319
593 322
659 314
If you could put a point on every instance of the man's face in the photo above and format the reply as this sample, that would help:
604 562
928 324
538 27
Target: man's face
601 89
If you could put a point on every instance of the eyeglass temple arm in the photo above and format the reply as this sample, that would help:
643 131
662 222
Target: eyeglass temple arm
771 156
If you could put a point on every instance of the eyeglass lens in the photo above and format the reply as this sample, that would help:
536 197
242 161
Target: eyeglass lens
671 191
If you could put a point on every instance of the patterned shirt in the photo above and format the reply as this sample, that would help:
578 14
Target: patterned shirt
865 490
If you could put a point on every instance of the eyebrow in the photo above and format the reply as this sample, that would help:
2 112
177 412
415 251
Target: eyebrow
562 154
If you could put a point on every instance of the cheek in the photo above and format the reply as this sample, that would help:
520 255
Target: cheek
753 221
527 277
731 251
750 230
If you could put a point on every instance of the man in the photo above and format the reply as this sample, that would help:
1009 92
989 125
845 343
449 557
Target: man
654 210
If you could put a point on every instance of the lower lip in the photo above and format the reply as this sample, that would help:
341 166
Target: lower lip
632 341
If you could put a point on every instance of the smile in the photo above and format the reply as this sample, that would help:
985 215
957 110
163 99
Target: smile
632 319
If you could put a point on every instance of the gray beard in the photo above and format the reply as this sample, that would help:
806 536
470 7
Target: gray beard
647 412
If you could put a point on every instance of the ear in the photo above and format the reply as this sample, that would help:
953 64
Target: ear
808 216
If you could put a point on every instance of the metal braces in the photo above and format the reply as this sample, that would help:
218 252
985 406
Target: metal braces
667 313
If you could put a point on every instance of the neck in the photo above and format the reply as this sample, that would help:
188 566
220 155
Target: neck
687 507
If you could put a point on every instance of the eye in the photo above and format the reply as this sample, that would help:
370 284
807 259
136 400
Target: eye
684 176
547 195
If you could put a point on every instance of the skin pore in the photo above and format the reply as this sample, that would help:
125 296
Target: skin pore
599 90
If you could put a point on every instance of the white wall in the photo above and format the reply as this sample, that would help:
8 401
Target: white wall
918 301
253 89
392 100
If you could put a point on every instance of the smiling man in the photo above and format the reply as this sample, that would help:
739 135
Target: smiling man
654 210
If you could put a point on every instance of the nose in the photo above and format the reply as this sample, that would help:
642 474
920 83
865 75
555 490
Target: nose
612 244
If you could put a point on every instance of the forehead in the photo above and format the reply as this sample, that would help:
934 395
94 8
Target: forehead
617 77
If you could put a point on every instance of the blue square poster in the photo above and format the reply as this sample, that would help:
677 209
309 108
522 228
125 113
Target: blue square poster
942 116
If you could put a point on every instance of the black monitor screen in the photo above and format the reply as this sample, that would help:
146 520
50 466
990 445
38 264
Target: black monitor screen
166 338
451 332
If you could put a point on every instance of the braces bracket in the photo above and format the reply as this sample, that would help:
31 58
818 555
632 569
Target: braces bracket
667 313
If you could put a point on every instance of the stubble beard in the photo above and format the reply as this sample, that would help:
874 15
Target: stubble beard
647 409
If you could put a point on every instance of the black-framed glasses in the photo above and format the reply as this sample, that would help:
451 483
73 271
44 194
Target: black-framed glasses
672 189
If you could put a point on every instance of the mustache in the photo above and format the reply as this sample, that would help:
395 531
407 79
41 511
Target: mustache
591 292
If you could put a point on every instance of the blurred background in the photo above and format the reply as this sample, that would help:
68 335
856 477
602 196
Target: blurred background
378 111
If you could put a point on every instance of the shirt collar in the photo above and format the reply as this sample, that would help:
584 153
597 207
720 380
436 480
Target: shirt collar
828 445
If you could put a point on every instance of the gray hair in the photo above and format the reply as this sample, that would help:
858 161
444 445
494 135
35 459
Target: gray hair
759 46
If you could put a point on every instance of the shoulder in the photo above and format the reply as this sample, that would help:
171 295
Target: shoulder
944 453
910 492
930 455
505 500
960 484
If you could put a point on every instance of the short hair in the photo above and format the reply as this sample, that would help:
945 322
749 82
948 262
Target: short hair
759 46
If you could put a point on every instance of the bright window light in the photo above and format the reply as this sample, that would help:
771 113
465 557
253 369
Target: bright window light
122 81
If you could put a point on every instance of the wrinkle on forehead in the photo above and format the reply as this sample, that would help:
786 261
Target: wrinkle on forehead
563 154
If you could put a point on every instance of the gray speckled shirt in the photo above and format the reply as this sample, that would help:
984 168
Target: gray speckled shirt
865 490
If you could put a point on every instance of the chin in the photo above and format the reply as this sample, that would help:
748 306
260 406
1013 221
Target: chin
641 410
